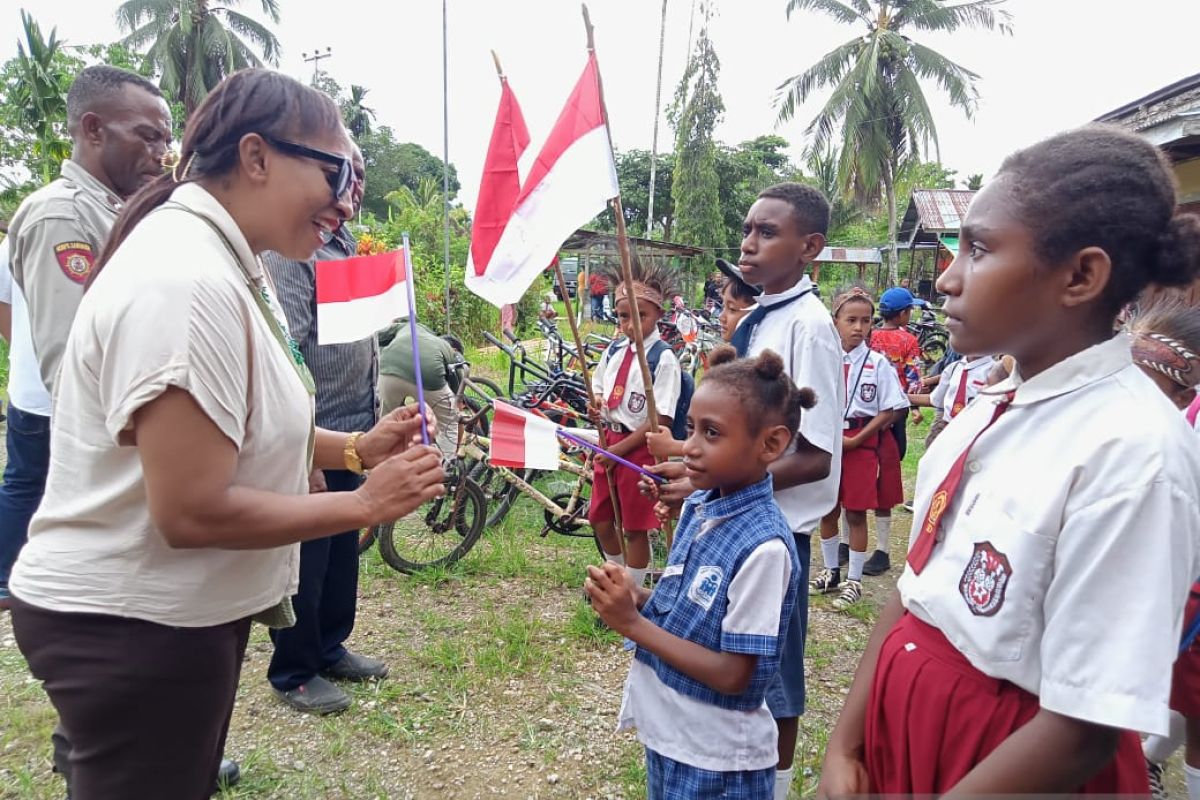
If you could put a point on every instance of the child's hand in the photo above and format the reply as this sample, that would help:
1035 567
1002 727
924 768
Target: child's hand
663 512
613 596
648 488
602 462
593 411
842 776
850 443
661 443
677 488
917 416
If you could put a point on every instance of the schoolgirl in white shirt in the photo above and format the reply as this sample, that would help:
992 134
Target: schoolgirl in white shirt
957 387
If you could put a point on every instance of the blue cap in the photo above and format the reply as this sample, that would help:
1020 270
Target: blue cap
895 300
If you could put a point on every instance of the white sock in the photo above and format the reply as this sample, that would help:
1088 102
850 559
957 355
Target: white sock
783 782
1192 775
845 528
883 533
829 552
857 560
1159 748
638 575
617 559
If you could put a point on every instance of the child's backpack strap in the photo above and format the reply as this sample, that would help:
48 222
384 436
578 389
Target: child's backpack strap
687 388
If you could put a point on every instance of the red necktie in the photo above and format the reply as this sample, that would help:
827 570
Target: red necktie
960 399
846 376
922 549
618 392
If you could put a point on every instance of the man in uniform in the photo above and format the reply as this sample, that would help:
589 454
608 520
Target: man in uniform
120 128
311 652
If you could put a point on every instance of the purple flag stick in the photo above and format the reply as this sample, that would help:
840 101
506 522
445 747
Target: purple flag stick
598 449
410 281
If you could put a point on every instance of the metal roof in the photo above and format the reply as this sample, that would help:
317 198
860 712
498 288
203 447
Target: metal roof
934 211
849 255
594 241
1157 96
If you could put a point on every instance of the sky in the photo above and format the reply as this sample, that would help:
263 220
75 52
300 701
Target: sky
1067 62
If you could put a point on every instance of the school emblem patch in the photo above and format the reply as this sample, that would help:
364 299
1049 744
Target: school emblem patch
705 585
867 392
985 580
75 260
637 402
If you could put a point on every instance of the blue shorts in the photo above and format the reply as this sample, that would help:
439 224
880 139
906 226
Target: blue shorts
785 692
667 779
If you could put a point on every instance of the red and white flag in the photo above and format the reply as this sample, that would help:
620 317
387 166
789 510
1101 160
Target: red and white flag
523 440
570 182
356 297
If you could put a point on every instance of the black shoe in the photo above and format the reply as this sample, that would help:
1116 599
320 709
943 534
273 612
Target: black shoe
228 774
879 563
356 668
318 696
843 554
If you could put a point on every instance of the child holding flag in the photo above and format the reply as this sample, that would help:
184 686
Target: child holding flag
708 639
1011 658
620 407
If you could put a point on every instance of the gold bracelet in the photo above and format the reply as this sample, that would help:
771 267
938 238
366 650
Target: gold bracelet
353 460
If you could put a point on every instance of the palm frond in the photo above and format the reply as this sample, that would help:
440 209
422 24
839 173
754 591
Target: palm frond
828 71
957 81
857 12
271 9
149 32
936 15
256 33
132 13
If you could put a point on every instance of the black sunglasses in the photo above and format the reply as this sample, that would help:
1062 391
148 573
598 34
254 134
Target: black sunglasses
339 182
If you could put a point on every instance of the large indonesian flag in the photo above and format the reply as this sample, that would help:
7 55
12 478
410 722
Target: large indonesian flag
522 440
570 183
358 296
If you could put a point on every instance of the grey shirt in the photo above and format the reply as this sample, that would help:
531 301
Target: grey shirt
345 374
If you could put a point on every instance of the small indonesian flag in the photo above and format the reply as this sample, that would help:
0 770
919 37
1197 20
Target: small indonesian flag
523 440
356 297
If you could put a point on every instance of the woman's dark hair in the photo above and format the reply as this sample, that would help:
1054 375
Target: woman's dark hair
250 101
1101 186
767 394
739 290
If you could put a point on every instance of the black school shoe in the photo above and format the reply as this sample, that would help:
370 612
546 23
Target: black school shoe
228 774
879 563
318 696
356 669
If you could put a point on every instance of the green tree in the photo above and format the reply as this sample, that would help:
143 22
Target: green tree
875 81
37 98
633 176
743 172
694 114
821 167
974 181
193 44
358 116
391 165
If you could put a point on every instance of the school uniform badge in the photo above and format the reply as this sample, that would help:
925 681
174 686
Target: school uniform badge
637 402
867 392
985 580
705 585
75 259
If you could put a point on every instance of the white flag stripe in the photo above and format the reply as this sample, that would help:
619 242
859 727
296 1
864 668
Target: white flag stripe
575 190
339 323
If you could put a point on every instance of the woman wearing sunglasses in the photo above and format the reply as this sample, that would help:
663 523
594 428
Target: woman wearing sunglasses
182 444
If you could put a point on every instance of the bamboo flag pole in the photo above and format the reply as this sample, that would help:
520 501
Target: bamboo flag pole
626 258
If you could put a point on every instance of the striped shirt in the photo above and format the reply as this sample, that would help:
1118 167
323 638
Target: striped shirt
346 374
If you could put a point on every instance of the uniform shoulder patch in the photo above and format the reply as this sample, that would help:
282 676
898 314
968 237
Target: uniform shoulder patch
75 259
985 580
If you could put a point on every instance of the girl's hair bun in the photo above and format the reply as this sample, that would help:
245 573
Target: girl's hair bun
808 398
723 354
768 365
1178 261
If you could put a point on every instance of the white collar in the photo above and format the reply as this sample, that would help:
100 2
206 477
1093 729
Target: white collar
857 354
646 342
978 362
803 285
1074 372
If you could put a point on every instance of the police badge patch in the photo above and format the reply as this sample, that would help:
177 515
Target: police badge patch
703 590
75 260
867 392
985 580
637 402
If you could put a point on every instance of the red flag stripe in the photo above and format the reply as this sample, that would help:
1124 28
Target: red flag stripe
501 184
508 438
358 277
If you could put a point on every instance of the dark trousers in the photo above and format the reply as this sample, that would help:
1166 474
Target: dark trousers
324 603
28 442
146 706
597 306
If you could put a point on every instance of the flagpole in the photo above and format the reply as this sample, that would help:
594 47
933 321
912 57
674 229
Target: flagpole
446 156
626 259
410 286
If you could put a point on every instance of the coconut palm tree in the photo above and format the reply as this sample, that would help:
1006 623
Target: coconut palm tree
877 98
358 116
193 44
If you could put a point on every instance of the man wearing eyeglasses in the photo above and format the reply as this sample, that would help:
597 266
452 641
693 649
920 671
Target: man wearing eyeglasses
310 655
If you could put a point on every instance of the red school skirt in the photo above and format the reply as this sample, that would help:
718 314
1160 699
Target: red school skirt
871 476
637 510
1185 677
932 717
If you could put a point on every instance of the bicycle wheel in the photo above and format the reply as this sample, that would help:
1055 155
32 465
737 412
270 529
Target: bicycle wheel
438 533
490 390
933 348
499 493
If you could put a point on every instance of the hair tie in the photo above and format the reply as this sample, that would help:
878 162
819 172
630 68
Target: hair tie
186 169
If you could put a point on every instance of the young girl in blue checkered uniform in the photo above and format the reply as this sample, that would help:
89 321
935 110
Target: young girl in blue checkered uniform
707 640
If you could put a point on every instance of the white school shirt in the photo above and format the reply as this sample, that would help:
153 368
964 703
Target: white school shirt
632 411
685 729
872 385
147 324
976 372
804 336
25 388
1067 554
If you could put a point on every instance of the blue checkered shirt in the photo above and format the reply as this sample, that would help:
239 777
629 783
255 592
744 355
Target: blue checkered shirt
345 374
691 598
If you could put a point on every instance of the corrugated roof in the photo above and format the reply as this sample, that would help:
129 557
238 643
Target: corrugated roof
941 209
849 255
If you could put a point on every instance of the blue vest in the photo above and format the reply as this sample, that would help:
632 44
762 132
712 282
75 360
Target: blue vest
691 598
